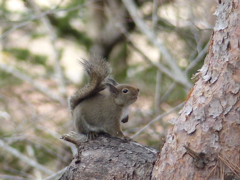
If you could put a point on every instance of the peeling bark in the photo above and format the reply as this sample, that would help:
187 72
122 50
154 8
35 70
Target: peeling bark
209 123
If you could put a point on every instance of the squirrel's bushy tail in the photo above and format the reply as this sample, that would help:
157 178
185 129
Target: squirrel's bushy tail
98 70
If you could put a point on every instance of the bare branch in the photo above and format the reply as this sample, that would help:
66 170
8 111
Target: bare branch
53 38
28 79
156 119
154 14
198 58
24 158
192 65
3 176
37 17
158 91
160 67
158 86
168 92
57 136
132 9
31 154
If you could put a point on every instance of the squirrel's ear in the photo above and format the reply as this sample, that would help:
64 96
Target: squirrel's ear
112 81
113 90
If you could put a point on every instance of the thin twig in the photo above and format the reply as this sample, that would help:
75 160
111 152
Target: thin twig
159 66
24 158
156 119
168 92
57 136
164 70
198 58
191 65
57 174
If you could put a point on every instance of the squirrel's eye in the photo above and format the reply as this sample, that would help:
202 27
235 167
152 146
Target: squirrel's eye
125 90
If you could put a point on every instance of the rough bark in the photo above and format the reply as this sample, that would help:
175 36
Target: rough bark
204 143
108 158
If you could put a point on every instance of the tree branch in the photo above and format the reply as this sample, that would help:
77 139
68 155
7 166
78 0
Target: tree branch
159 66
110 158
156 119
37 17
198 58
132 9
28 79
24 158
2 176
56 175
53 38
57 136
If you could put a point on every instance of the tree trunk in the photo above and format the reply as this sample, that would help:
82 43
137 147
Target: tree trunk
204 143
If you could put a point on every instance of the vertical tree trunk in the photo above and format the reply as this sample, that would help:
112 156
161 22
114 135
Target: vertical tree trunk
205 141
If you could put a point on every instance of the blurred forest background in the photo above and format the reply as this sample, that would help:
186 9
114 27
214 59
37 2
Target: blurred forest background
156 45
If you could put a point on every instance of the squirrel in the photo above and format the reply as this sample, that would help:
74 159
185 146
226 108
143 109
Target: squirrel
102 104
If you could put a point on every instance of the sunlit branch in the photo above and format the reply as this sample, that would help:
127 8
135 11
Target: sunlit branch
167 57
